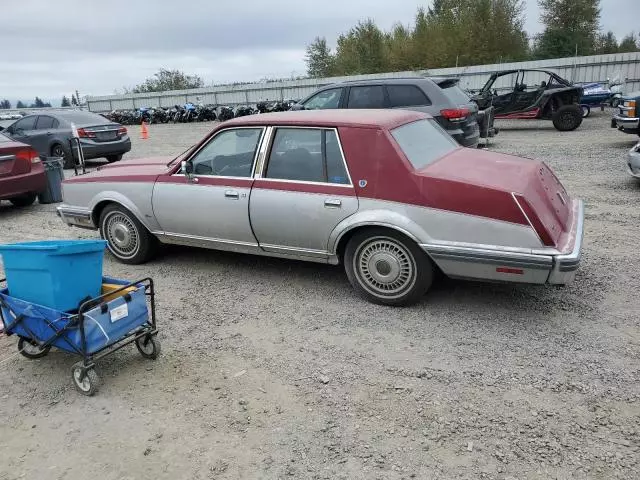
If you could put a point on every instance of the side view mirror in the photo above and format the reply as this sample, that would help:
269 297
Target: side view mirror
186 168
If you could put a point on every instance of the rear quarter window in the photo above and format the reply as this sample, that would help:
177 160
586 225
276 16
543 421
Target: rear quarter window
406 96
423 142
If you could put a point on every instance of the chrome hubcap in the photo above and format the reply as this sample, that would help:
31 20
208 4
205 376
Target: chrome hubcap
385 267
122 235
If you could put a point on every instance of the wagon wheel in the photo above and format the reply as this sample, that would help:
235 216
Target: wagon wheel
86 381
31 350
149 347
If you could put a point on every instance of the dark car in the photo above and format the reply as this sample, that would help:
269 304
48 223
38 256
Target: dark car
442 98
22 175
627 117
533 94
49 134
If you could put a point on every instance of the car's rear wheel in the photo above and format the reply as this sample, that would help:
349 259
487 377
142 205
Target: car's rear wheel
113 158
567 118
24 200
127 239
387 268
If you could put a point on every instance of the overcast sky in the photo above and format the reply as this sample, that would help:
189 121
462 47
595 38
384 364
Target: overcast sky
51 48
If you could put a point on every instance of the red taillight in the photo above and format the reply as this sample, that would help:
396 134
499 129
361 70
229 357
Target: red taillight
28 155
82 133
122 131
534 220
455 114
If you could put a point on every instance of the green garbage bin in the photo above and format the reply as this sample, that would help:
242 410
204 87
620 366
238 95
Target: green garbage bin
53 168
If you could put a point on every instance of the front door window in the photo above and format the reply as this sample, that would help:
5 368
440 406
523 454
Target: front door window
229 154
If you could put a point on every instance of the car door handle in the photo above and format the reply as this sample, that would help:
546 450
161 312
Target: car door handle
233 194
332 203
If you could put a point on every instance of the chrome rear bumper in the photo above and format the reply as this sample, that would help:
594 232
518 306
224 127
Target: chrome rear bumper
512 265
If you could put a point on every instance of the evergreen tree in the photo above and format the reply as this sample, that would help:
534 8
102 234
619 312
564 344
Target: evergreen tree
319 58
571 26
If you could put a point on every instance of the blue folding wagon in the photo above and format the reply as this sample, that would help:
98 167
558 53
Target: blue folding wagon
57 297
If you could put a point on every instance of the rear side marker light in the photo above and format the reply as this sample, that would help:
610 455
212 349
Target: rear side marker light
122 131
512 271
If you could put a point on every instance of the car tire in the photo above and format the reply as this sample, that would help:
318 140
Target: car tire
127 239
387 268
113 158
24 200
58 150
567 118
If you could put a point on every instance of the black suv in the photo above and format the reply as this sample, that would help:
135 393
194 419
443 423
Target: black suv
441 97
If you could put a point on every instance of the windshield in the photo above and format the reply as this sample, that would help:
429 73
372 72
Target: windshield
423 142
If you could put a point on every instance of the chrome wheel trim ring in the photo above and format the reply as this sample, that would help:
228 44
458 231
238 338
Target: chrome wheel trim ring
122 235
384 267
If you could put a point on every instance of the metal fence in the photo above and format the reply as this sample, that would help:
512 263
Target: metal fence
597 68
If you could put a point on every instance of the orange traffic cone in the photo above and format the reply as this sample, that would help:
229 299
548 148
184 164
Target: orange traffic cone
144 131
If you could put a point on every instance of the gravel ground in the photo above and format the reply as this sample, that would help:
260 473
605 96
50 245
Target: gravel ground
275 369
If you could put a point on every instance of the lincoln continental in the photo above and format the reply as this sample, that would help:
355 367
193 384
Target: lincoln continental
386 193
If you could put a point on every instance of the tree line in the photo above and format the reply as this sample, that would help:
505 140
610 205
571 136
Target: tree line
39 103
467 32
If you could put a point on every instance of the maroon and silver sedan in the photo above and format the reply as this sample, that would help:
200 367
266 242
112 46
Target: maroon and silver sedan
387 193
22 175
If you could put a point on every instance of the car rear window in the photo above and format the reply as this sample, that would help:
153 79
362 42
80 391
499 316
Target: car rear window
423 142
84 118
455 93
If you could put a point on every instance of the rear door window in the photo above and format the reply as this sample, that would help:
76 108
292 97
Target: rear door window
46 123
423 142
406 96
307 155
370 96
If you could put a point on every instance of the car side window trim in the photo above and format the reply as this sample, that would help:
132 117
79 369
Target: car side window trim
178 173
263 167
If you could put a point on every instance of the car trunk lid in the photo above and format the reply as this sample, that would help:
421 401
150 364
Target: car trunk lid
530 184
102 133
16 158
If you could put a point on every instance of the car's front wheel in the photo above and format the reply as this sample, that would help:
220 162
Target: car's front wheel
387 268
127 239
567 118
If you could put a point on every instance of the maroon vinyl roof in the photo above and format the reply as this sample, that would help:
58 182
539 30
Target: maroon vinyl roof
332 118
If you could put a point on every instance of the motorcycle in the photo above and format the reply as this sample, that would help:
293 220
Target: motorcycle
225 113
